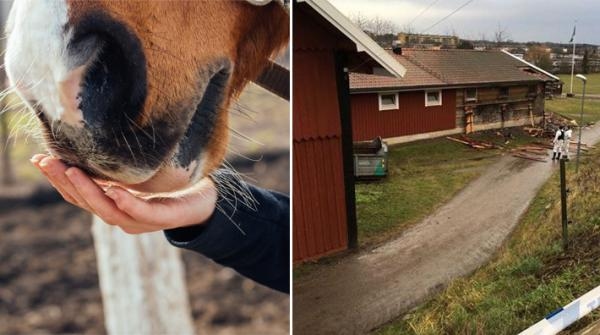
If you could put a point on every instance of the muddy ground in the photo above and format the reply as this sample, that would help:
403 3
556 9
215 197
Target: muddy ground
48 275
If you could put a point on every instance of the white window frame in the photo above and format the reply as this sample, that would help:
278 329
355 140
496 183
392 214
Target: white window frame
430 104
467 98
383 107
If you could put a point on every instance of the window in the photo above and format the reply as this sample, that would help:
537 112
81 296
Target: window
433 98
503 93
388 101
471 94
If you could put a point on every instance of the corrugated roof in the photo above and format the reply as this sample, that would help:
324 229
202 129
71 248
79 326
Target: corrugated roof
452 67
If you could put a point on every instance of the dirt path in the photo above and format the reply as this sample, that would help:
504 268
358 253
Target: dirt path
366 290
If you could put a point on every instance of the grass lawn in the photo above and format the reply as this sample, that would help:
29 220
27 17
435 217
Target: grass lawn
422 176
592 87
571 108
531 275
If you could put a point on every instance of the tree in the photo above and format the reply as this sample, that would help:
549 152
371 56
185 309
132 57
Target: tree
585 62
539 56
501 35
360 20
383 31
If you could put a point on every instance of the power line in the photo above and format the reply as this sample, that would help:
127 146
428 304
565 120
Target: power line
447 16
422 12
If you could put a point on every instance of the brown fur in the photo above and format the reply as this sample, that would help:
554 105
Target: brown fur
179 38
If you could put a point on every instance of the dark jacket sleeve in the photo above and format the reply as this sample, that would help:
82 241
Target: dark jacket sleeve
252 237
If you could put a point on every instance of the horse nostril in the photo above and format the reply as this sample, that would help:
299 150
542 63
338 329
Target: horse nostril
113 88
83 49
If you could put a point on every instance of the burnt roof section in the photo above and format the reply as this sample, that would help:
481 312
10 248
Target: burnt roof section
438 68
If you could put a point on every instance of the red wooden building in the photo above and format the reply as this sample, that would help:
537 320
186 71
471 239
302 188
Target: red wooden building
446 92
326 45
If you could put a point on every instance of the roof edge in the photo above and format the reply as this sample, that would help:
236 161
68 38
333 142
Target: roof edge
375 89
363 41
532 65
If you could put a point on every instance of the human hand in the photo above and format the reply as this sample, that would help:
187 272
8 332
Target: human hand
118 207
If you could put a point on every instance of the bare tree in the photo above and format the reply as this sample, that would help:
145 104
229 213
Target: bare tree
501 35
375 25
360 20
380 26
383 31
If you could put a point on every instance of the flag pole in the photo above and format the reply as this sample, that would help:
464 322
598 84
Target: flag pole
573 57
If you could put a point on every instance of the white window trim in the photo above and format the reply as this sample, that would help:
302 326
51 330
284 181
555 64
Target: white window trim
389 107
428 104
467 99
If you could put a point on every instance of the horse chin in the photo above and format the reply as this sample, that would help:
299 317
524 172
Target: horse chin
167 180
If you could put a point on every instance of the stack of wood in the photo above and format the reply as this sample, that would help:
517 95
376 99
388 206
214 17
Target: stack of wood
553 122
539 151
475 144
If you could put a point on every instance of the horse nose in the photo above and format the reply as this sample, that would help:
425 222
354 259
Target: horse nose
109 72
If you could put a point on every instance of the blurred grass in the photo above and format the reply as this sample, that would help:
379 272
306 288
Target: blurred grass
531 275
21 144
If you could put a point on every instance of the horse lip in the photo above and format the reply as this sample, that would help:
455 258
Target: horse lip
200 128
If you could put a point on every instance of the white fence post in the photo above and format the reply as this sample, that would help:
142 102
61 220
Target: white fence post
142 282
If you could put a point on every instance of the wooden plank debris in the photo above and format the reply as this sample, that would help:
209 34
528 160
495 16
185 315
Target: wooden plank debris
475 144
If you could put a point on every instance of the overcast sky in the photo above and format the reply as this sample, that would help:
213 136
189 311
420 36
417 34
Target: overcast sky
524 20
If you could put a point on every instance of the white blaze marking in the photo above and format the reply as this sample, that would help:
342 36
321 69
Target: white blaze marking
36 57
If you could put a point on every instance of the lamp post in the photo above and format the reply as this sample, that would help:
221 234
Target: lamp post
584 80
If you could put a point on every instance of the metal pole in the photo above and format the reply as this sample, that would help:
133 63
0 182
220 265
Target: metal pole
573 64
580 127
563 204
572 68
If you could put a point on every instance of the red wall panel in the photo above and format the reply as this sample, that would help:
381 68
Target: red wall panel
319 211
412 117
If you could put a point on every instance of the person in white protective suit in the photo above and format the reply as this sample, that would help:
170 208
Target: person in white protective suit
568 133
559 139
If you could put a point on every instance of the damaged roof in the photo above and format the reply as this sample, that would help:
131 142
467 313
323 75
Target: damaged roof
455 67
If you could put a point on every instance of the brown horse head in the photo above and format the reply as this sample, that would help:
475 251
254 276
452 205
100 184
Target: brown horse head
137 91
